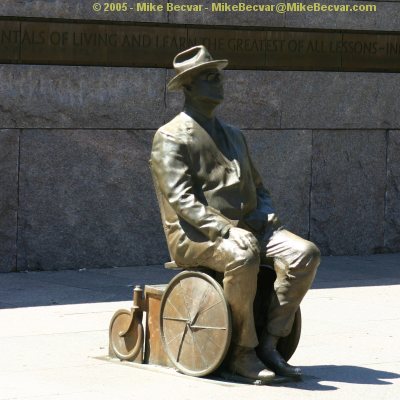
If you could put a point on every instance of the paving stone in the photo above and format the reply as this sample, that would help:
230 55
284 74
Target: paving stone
9 143
86 200
283 159
392 216
49 96
348 191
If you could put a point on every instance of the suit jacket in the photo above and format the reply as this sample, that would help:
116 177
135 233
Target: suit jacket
203 192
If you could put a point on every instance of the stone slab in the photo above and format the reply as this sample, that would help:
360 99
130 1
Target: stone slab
77 9
392 216
173 99
334 100
305 100
86 200
385 18
252 99
283 159
40 96
9 144
348 191
226 17
344 100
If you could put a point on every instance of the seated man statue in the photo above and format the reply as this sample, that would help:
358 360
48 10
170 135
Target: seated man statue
218 214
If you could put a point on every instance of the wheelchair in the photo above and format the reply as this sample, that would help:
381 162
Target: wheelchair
186 324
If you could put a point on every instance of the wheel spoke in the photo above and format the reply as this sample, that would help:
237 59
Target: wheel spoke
173 305
208 308
201 303
176 319
181 344
197 301
171 340
222 328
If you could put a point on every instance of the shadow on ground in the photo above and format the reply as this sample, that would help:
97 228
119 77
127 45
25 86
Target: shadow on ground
355 271
43 288
320 377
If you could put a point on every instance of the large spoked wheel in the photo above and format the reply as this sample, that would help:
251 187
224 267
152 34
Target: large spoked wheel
126 346
195 323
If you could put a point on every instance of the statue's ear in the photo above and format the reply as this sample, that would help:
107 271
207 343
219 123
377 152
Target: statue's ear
187 86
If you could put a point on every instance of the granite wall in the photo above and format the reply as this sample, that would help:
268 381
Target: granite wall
75 188
386 17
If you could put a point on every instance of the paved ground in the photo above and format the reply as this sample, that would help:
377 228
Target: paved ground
53 325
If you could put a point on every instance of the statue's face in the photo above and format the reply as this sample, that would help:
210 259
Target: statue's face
207 85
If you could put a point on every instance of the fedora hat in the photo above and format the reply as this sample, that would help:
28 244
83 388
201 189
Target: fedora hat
190 62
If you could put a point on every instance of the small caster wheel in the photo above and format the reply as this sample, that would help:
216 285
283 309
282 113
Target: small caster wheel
126 345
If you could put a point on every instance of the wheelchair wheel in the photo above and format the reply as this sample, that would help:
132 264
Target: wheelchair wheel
195 323
288 345
265 286
128 346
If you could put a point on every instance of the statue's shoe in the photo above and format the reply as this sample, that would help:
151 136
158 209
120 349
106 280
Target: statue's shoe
244 362
273 360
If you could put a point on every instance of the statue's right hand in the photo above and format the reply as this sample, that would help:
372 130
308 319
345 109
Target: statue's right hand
244 239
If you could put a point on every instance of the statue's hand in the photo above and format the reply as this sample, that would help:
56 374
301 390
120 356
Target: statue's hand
244 239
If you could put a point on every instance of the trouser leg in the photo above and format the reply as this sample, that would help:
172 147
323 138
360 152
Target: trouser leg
295 262
240 268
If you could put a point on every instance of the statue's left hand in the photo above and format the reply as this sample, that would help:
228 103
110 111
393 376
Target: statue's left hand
244 239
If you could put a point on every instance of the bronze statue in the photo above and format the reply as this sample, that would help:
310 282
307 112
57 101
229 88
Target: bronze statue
218 214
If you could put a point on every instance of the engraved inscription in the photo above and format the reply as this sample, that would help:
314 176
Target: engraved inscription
116 44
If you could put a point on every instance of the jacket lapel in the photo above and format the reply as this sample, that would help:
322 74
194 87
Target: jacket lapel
199 132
